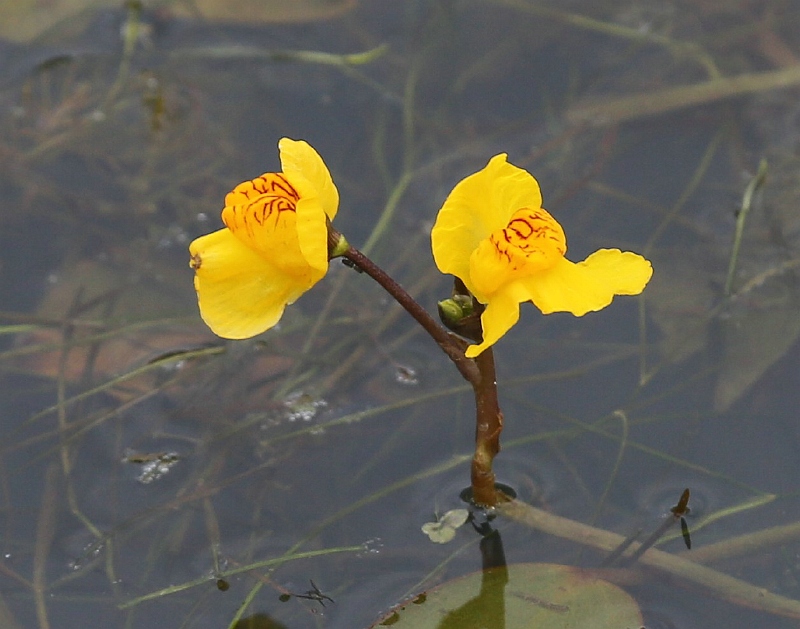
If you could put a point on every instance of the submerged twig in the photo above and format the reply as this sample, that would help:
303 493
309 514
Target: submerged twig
258 565
614 29
45 533
240 51
130 36
720 584
676 513
747 200
624 108
748 543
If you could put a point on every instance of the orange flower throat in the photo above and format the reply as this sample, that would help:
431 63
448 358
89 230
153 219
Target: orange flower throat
252 204
532 241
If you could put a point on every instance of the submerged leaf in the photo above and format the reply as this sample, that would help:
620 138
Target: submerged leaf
680 300
758 330
746 334
753 322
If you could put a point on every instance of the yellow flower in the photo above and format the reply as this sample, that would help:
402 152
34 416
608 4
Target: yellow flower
274 246
493 234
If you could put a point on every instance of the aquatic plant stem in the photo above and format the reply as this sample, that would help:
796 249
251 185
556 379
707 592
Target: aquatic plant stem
488 426
479 372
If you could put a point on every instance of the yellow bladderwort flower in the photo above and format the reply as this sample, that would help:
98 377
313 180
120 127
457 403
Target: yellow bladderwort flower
274 246
493 234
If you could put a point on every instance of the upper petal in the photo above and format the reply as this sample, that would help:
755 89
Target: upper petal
299 161
240 293
479 205
318 198
589 285
311 231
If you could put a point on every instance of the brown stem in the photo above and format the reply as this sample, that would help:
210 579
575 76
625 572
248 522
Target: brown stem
488 426
450 344
480 373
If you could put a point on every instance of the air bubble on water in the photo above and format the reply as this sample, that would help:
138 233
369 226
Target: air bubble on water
372 546
90 551
160 465
268 420
403 374
173 235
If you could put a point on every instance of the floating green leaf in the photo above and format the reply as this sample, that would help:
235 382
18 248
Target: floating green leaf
545 596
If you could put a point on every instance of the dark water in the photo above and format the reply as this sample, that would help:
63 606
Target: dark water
142 455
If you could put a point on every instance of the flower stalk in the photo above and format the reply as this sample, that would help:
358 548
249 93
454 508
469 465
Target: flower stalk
488 426
450 344
479 372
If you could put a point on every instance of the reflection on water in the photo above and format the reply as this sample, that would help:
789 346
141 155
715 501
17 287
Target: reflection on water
316 452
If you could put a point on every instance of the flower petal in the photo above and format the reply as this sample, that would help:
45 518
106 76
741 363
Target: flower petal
589 285
240 293
319 198
501 313
299 159
478 206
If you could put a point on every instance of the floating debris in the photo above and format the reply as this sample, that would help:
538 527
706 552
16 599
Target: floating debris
444 529
302 406
403 374
154 466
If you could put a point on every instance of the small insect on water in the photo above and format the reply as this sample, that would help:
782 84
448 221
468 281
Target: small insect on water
314 594
680 510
